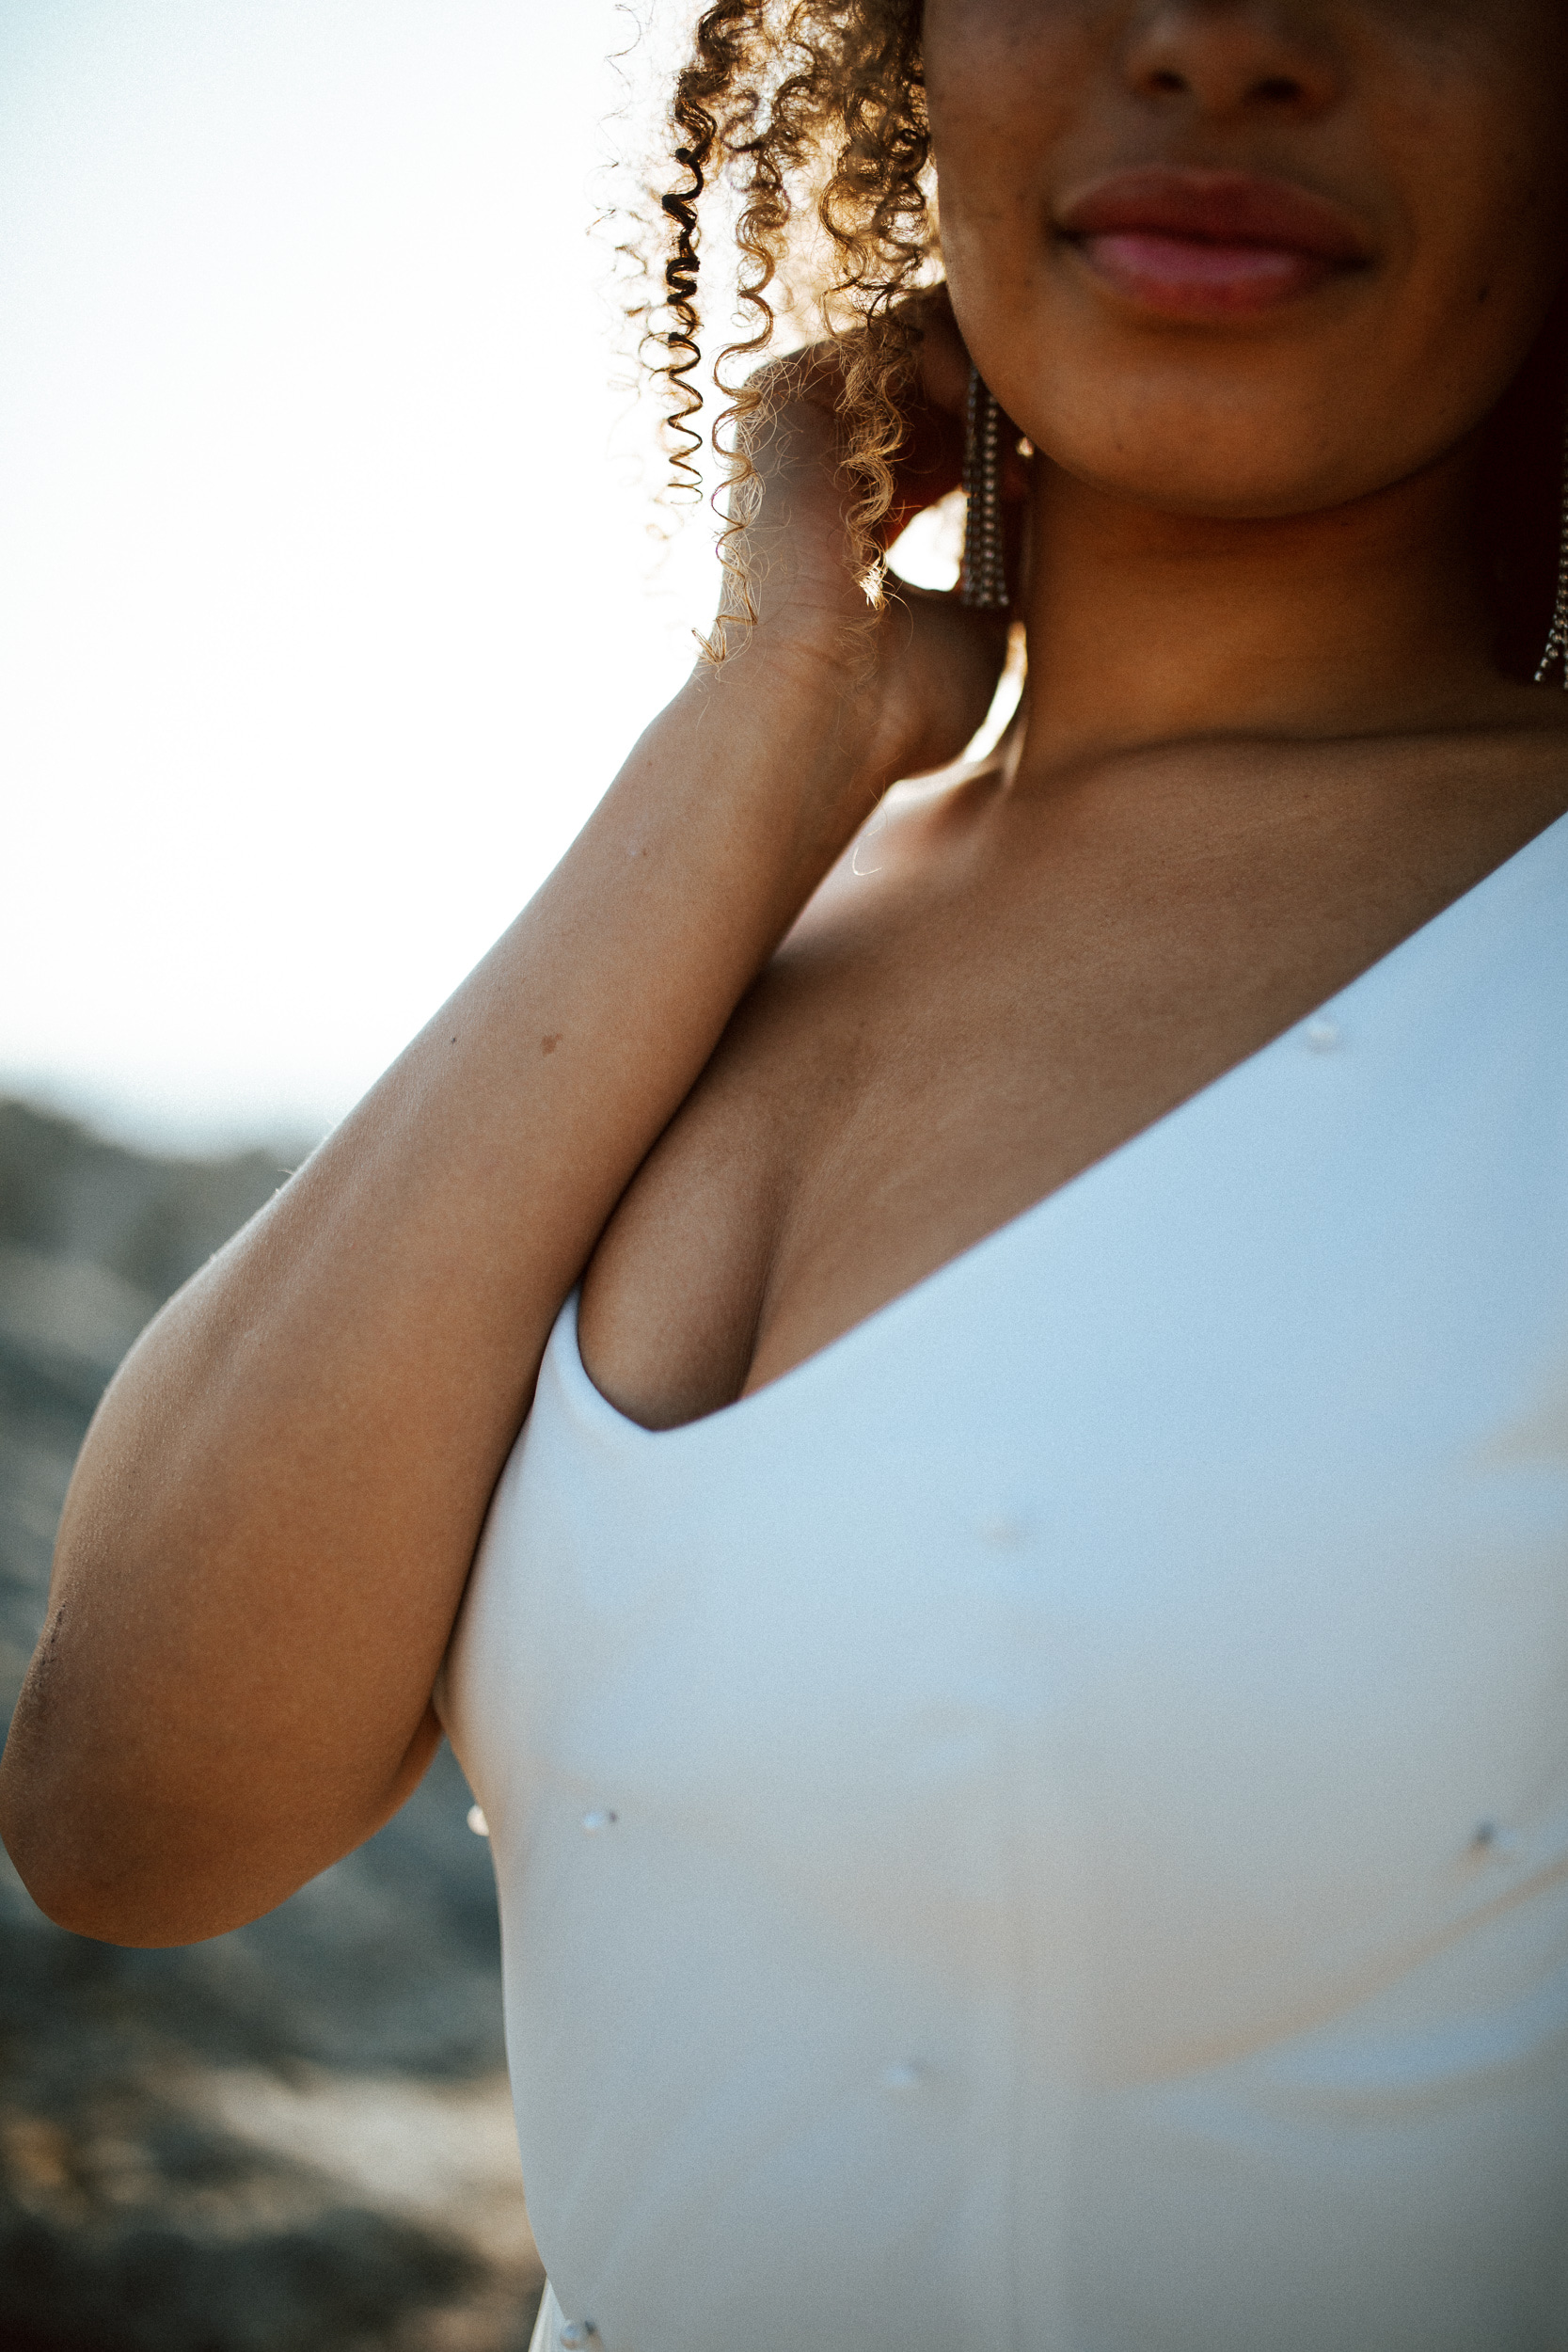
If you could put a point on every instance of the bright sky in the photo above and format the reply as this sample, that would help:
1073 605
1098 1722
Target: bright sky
322 609
325 612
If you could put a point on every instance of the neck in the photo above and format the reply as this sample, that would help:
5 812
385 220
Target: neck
1145 627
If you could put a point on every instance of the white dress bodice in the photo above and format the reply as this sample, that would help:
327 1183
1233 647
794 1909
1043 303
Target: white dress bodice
1046 1828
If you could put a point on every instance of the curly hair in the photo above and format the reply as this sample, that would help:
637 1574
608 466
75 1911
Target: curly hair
811 115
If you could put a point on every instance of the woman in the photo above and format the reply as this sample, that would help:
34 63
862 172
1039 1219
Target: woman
1017 1670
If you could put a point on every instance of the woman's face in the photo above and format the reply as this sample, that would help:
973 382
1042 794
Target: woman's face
1249 257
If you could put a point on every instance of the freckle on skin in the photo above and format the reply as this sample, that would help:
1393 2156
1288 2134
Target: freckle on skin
548 1044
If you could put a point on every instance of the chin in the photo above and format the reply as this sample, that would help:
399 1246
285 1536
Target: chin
1233 459
1220 495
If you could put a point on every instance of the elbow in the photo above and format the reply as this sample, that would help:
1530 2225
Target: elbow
126 1909
81 1833
121 1866
62 1894
75 1868
70 1902
104 1878
68 1894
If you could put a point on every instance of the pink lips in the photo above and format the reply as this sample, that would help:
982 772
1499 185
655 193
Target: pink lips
1209 244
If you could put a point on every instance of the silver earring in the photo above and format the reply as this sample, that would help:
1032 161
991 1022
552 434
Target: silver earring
1556 643
983 581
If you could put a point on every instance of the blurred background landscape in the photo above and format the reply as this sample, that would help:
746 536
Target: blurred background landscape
332 594
327 608
295 2138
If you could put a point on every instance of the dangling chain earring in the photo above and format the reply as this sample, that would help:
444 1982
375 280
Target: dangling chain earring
983 581
1556 643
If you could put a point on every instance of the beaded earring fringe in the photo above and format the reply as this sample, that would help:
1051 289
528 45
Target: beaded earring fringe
983 579
1557 642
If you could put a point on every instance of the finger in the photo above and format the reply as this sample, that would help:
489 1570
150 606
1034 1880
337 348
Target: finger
943 362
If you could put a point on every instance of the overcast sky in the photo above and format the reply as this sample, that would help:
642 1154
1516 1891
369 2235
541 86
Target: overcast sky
323 615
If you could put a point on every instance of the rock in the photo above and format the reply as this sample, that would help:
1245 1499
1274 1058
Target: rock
293 2138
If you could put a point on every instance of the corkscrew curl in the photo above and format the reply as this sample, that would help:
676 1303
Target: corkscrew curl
811 115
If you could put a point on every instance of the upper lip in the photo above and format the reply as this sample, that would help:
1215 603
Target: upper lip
1217 208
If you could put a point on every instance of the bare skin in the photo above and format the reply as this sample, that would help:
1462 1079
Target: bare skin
1265 740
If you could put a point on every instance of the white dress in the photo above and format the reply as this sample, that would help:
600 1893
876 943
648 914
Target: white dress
1046 1829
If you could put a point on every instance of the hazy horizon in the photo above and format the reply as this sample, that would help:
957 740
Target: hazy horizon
323 606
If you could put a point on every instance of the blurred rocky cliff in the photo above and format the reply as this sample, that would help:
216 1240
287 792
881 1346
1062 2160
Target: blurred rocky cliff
296 2138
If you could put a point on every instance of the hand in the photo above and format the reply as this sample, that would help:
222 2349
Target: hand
924 667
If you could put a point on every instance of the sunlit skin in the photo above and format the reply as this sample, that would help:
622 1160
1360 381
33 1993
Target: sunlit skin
1265 739
1265 736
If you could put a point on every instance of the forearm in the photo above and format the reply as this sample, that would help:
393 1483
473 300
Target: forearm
269 1529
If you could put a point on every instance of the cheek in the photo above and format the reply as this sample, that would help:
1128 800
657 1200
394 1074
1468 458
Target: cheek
1465 172
1003 144
1007 85
1486 240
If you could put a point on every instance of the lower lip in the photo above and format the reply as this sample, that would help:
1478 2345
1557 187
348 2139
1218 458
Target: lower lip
1185 278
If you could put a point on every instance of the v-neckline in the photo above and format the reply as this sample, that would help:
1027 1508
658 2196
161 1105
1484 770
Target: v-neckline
872 1325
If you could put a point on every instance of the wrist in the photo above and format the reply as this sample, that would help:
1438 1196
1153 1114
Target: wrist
817 687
